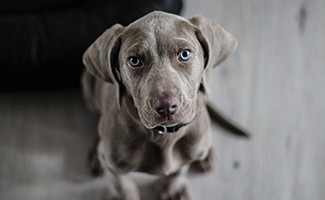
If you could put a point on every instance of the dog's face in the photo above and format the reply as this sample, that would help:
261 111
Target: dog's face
162 62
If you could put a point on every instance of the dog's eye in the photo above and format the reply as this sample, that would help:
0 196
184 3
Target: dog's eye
134 62
185 55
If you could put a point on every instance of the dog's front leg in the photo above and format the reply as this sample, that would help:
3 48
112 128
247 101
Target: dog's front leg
174 186
120 186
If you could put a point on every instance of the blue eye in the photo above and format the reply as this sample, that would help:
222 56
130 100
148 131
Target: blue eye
134 62
185 55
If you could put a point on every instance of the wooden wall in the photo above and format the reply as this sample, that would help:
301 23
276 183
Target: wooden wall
275 86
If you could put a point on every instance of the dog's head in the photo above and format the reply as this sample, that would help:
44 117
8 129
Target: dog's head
162 61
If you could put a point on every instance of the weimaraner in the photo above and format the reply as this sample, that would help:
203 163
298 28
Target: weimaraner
149 82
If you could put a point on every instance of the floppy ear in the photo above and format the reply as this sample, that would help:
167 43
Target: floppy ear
217 44
101 58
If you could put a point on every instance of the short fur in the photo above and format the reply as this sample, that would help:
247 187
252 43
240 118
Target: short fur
126 97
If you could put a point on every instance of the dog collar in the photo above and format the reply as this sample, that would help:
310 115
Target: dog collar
172 129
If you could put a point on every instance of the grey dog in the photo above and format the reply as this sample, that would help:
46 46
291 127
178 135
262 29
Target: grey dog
149 81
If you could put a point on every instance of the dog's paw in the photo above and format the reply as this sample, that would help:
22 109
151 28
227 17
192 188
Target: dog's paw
204 165
173 188
122 188
179 194
114 192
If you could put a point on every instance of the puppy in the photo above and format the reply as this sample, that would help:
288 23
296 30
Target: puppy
149 82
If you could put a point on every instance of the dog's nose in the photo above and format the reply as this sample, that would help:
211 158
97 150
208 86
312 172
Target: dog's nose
166 104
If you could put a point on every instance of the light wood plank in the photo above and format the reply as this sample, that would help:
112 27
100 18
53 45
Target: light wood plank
274 85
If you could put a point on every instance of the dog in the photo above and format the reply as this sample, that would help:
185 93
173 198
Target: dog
149 81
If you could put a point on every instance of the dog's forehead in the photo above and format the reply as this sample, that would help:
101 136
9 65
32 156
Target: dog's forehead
157 25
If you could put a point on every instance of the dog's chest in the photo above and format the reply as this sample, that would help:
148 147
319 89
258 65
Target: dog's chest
163 154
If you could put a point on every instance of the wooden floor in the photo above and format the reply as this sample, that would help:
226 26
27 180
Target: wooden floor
274 85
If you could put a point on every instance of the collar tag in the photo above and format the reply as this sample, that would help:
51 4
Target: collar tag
161 130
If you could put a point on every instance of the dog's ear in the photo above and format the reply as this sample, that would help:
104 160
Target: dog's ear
217 44
101 58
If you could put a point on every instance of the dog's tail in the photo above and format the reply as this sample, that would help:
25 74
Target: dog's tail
225 122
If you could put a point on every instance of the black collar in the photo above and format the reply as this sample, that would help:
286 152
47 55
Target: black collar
171 129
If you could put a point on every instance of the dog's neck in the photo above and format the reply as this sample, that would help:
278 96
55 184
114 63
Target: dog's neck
163 129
